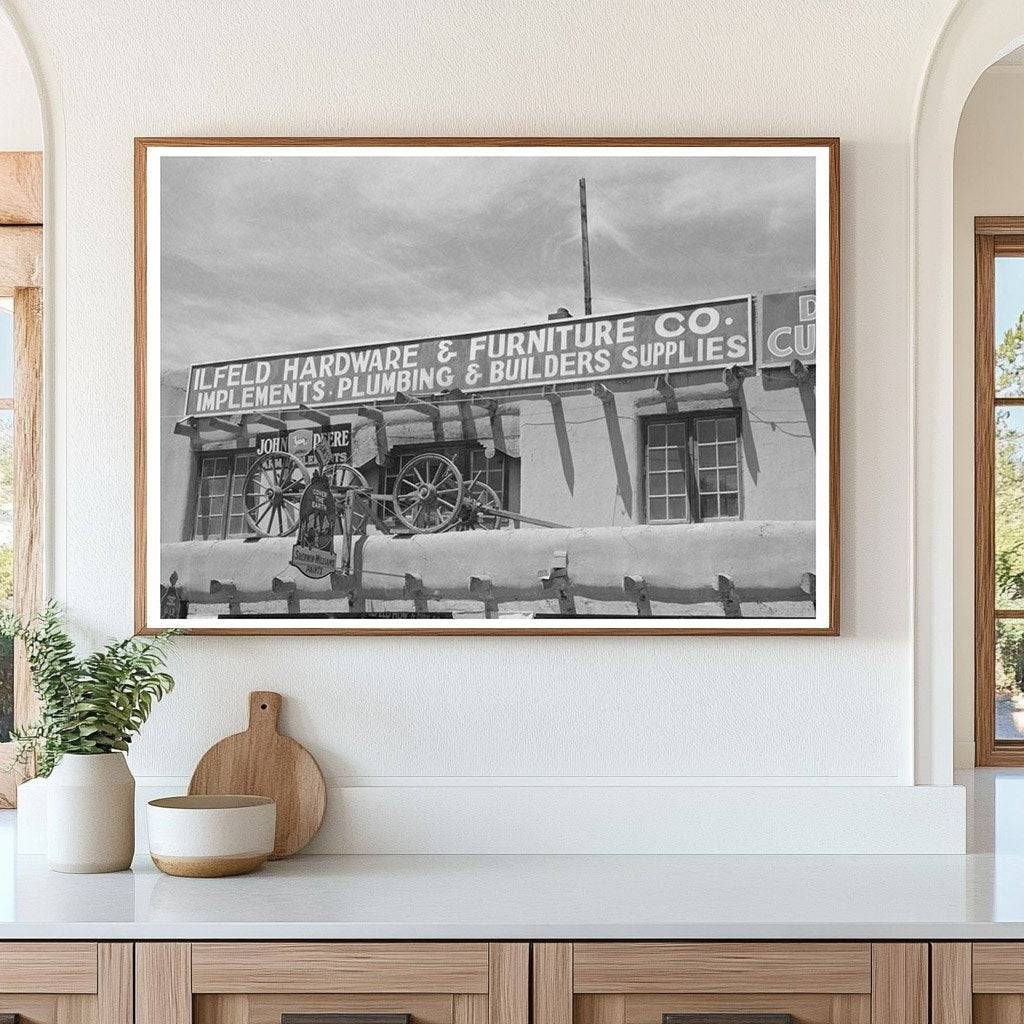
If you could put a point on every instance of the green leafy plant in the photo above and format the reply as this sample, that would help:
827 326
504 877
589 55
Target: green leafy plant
90 705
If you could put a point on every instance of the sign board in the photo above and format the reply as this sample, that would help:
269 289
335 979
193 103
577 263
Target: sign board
303 441
172 604
671 339
300 442
313 551
788 329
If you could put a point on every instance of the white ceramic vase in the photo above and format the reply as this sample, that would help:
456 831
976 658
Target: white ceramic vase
90 814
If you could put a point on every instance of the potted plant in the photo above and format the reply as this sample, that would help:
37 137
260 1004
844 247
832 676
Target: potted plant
89 709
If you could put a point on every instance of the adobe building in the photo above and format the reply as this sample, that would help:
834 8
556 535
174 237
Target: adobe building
654 463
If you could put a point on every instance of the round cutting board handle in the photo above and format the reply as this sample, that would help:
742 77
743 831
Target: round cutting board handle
264 710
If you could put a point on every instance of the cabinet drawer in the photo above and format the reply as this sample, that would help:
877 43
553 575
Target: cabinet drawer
733 982
264 982
48 967
630 967
340 967
998 967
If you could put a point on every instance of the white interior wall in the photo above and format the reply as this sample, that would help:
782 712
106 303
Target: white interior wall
429 716
988 181
20 119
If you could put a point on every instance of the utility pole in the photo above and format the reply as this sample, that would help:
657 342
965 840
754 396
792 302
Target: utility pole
587 304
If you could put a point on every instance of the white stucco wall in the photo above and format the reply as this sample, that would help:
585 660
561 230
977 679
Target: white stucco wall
445 712
988 181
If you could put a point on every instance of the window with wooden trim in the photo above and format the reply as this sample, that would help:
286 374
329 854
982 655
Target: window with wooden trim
20 504
21 369
999 491
472 461
220 475
220 486
692 468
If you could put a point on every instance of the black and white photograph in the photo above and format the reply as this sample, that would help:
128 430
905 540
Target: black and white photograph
454 386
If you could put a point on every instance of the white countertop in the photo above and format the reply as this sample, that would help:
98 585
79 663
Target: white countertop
978 896
532 897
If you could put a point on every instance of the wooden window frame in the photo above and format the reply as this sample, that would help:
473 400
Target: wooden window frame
993 237
689 421
196 492
21 272
446 448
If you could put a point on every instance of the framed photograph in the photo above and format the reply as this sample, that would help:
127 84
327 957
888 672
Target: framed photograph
451 386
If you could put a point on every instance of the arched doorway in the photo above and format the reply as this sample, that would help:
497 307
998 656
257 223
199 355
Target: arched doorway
976 33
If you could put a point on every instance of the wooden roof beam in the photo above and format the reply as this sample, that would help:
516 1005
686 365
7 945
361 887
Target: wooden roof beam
187 428
369 413
664 388
235 427
732 378
380 430
304 412
465 406
418 405
274 422
489 405
228 593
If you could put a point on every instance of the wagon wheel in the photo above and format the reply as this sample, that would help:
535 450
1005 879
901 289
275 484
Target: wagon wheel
428 493
352 493
479 506
272 491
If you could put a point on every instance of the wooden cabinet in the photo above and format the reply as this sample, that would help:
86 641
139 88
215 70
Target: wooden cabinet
261 982
66 982
980 982
494 983
647 982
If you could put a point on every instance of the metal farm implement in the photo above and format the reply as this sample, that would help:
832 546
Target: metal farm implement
430 495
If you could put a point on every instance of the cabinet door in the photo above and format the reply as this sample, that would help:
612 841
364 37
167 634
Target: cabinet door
737 982
66 982
332 983
981 982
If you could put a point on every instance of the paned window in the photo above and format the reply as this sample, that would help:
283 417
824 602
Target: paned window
220 511
692 468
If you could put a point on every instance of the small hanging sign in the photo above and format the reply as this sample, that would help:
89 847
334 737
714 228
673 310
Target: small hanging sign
313 551
172 604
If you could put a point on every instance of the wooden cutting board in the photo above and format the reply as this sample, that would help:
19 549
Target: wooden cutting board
262 762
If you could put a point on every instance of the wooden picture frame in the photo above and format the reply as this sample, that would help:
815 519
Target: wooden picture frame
816 589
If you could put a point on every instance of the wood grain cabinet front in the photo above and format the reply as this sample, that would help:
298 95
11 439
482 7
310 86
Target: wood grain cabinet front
730 983
977 983
66 982
332 983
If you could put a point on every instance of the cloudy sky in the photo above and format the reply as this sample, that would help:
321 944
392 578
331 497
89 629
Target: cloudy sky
264 254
